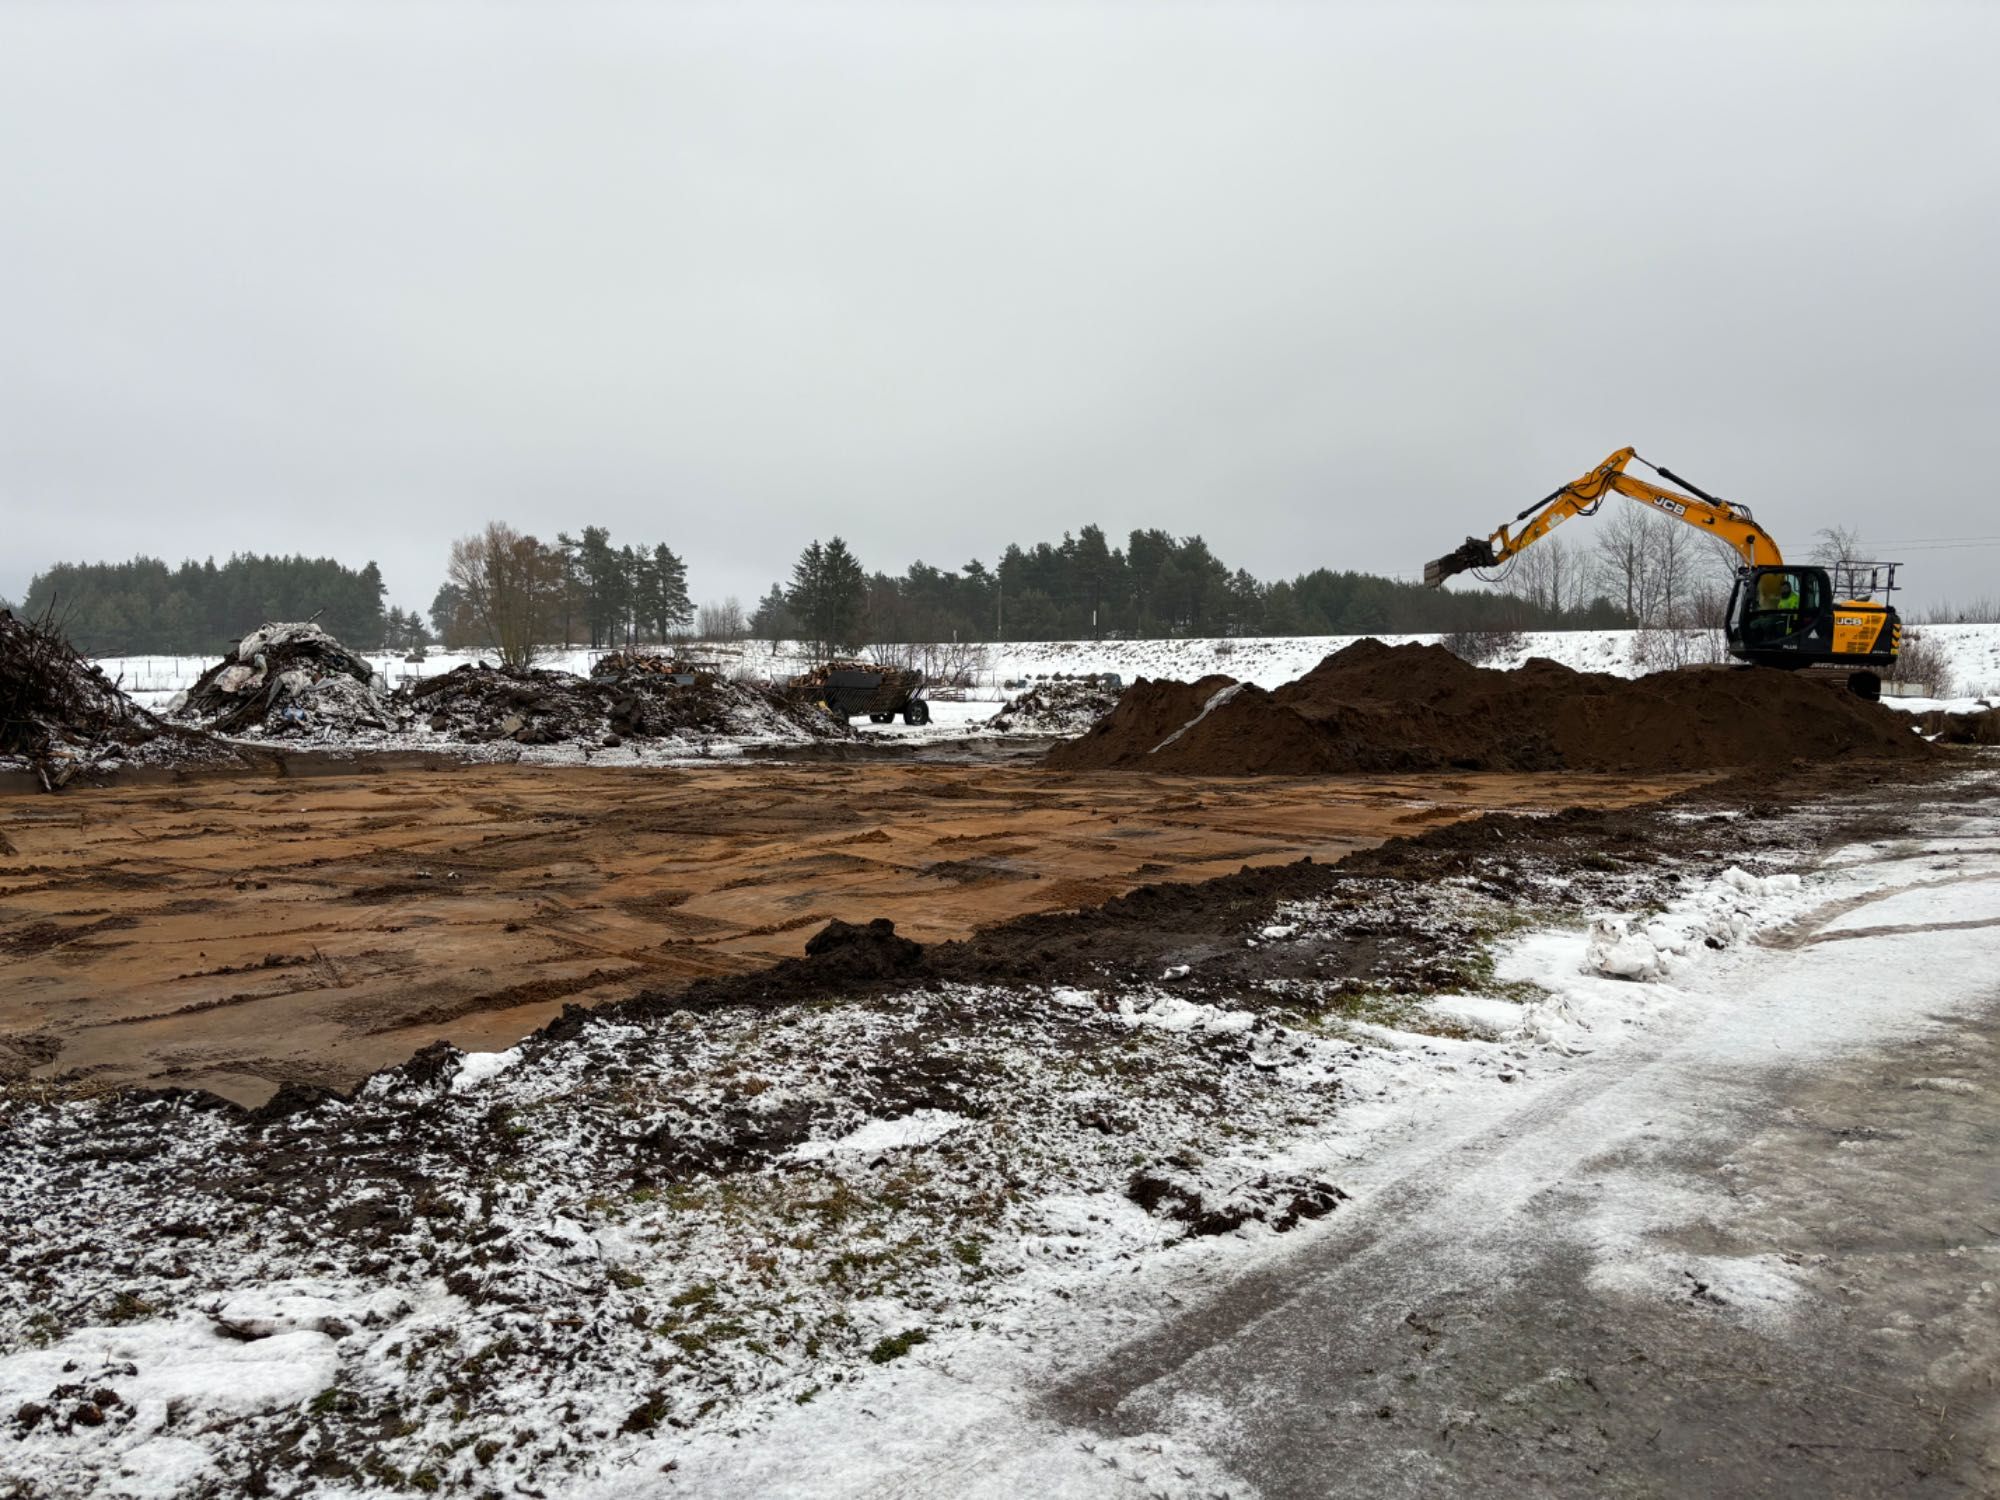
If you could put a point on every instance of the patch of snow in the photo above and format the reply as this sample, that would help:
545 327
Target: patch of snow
918 1129
1215 701
475 1068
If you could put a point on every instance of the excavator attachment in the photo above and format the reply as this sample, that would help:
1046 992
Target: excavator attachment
1476 553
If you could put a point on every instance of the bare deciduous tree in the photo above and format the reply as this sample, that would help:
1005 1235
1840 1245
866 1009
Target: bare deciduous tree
721 622
1552 577
1837 544
512 585
1660 569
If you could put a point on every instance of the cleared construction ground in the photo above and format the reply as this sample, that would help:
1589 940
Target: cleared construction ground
235 933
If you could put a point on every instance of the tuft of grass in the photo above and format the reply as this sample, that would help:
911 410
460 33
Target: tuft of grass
897 1346
129 1307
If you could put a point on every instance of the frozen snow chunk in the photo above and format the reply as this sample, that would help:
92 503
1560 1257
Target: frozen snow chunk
1742 880
1075 999
922 1128
1614 949
1949 1085
1172 1013
1280 930
475 1068
265 1314
1177 971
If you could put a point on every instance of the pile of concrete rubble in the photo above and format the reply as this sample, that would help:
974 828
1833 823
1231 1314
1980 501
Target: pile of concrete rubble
288 679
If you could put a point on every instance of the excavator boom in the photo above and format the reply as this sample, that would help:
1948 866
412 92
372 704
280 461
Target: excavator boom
1724 519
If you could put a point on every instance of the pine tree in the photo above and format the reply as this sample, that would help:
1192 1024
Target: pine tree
807 597
672 609
846 593
773 619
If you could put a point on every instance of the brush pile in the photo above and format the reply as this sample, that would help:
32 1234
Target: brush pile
625 663
1058 706
60 716
1373 708
288 679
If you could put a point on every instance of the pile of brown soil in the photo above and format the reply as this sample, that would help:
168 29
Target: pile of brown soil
1372 707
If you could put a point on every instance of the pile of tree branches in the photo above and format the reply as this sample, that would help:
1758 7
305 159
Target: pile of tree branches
58 712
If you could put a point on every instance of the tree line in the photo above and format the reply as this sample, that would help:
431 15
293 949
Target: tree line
511 592
1155 585
200 608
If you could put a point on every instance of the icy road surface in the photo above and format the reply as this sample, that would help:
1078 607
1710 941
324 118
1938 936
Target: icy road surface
1735 1231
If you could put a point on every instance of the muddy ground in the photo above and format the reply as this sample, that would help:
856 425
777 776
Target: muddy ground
236 933
675 1120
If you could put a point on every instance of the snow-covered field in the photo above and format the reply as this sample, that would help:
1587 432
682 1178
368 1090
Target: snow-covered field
496 1273
1973 653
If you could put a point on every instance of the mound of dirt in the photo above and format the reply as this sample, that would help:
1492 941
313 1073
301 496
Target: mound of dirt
291 678
1374 708
1055 707
481 703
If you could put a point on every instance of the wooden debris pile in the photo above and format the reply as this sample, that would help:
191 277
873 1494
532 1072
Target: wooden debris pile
60 716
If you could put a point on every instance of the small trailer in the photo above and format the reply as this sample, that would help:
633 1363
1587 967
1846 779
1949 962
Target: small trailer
846 689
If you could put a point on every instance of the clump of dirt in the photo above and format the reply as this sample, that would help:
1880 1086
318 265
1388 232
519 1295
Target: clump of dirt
481 703
1174 1192
60 716
1373 708
1056 707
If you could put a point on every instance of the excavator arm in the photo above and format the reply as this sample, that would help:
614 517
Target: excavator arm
1725 519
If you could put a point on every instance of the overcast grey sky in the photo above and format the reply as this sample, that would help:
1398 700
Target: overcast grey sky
1332 285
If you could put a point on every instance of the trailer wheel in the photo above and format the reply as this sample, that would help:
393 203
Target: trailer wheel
919 712
881 718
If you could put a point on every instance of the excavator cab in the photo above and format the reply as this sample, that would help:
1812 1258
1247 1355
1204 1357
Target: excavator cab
1786 610
1796 616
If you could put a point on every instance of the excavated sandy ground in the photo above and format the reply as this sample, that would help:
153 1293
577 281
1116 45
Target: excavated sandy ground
235 933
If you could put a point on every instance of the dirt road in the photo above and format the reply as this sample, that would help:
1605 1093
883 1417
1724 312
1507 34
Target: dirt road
1751 1259
236 933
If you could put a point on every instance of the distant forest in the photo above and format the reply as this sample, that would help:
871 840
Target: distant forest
1159 585
1156 585
198 609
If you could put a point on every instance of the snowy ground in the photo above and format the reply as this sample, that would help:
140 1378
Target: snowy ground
863 1246
1973 652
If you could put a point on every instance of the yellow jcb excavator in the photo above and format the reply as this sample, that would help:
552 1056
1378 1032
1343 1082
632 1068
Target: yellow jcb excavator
1780 615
